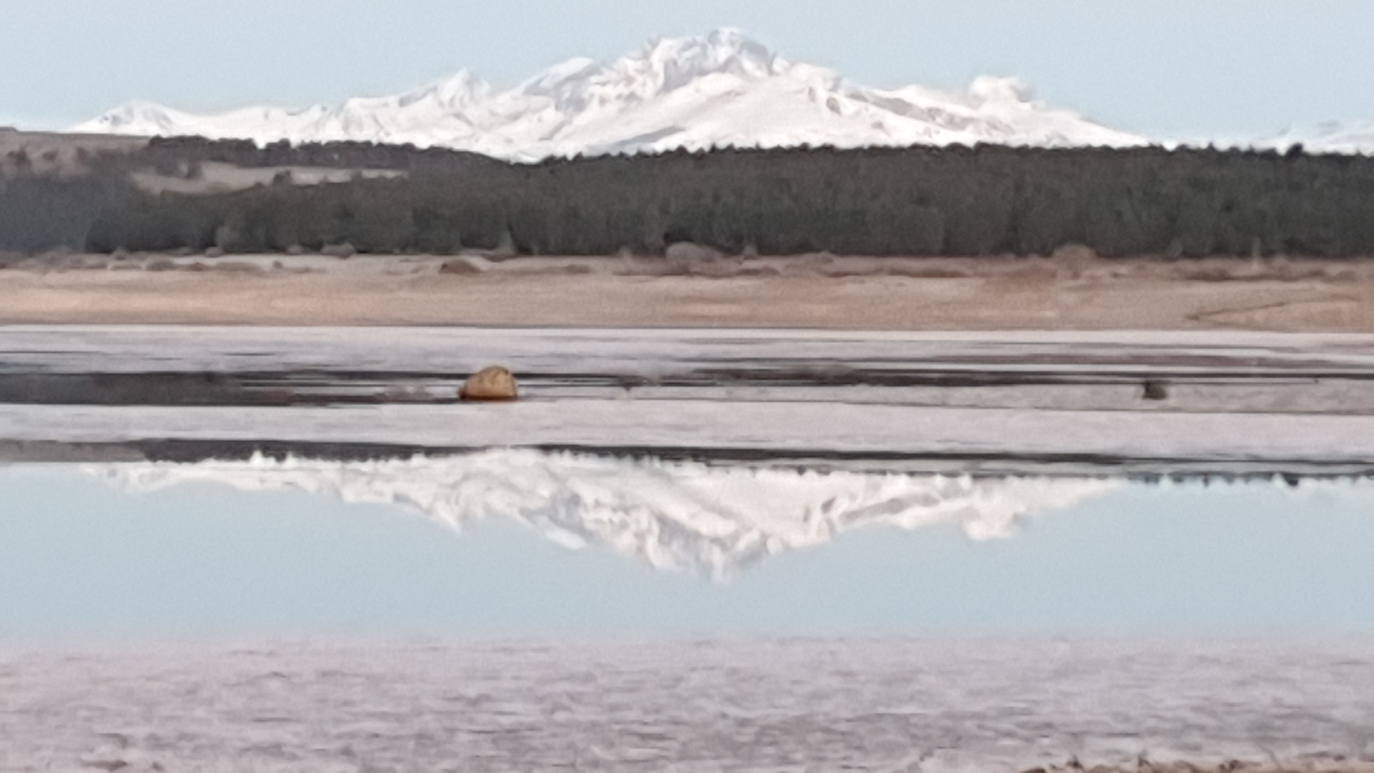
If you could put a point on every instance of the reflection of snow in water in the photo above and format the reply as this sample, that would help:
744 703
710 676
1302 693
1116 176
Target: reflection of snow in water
673 515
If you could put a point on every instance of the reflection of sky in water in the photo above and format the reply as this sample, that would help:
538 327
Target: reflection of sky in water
77 558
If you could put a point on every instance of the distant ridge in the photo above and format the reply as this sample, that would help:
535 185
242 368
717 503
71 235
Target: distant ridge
722 89
1328 137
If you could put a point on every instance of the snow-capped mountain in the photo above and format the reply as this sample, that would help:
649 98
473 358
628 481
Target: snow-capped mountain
672 515
723 89
1327 137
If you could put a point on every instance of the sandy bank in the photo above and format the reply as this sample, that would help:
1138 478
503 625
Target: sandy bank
817 292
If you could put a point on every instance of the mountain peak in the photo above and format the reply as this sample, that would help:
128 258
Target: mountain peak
132 117
457 91
725 50
1000 89
720 89
719 46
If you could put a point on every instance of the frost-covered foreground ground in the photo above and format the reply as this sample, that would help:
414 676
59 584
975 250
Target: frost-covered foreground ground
759 705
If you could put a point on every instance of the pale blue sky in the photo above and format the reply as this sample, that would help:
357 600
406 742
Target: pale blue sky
80 562
1181 68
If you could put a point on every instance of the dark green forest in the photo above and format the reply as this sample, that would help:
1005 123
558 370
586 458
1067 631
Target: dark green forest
903 201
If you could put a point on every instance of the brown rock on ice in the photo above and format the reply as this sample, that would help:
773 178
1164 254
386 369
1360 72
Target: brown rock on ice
492 383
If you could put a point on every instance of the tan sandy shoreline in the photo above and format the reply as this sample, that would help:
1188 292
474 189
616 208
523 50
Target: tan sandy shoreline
836 293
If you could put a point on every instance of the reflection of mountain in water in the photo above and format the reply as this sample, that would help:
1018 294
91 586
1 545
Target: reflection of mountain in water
674 515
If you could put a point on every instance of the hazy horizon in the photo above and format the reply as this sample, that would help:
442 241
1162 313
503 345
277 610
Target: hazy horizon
1167 68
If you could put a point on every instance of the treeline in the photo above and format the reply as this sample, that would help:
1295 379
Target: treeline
169 153
44 213
908 201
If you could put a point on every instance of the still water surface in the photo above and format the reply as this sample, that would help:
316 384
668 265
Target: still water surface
736 550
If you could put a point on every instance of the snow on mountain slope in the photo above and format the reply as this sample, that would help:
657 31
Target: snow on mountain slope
1327 137
723 89
672 515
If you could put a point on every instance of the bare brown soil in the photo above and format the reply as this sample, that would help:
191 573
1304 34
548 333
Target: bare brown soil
813 292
